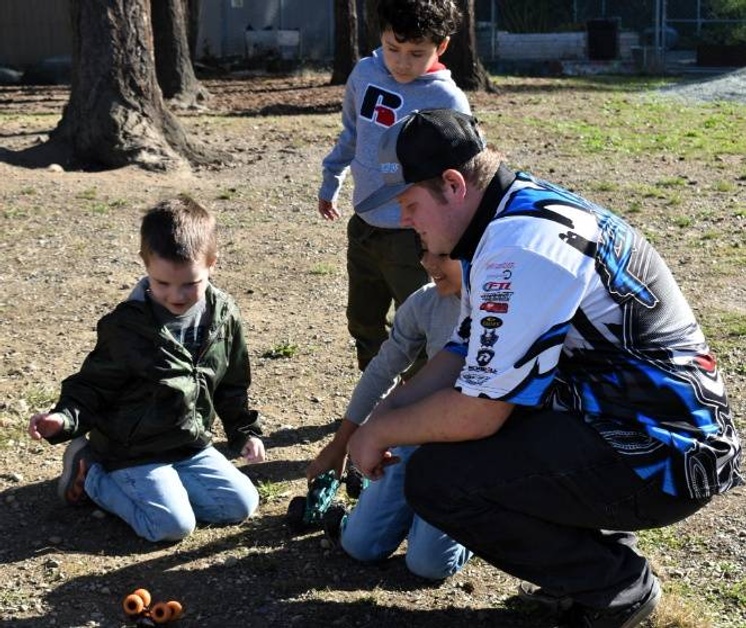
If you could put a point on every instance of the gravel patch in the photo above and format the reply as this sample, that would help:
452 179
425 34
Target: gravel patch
730 86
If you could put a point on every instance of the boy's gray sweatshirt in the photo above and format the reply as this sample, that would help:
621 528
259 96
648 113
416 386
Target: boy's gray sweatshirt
374 101
425 320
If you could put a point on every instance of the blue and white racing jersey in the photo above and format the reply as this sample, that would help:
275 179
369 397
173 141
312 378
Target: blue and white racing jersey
566 306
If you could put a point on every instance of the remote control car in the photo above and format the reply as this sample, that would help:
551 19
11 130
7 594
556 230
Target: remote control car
306 512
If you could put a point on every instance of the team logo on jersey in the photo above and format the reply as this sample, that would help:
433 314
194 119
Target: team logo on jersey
504 274
495 308
474 379
484 357
496 286
491 322
481 369
380 105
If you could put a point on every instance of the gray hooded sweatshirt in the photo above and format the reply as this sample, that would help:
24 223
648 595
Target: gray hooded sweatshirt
374 101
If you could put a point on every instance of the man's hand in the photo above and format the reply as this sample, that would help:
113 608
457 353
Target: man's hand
253 451
369 457
328 210
44 425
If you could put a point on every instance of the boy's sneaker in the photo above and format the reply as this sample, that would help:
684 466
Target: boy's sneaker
75 464
629 617
540 597
332 523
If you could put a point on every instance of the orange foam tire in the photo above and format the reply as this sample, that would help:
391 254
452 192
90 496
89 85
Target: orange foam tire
161 613
144 594
133 605
176 609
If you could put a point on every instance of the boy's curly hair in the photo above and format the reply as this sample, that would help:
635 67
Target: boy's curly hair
415 20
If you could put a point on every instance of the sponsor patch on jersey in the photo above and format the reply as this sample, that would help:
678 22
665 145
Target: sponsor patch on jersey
481 369
484 356
497 297
491 322
502 275
488 338
495 308
495 286
474 379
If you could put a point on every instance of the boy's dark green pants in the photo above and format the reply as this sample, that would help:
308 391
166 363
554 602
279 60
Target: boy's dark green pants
383 266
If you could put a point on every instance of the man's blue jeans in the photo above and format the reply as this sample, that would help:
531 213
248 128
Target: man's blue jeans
381 520
164 501
547 500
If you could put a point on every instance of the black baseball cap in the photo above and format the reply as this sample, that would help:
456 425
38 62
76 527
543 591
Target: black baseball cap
422 146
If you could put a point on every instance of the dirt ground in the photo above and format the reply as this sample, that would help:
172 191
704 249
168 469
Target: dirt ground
68 247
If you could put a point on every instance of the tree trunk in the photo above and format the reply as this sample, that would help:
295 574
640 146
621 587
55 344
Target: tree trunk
345 40
372 33
194 11
462 58
173 64
116 115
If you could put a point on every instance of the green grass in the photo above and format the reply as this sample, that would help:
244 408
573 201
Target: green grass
87 194
40 398
284 349
323 268
736 593
651 541
228 194
271 491
11 213
626 123
99 208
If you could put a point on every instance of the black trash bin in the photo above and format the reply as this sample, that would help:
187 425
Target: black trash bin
603 39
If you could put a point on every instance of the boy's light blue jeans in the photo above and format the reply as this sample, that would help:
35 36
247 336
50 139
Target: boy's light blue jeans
382 519
164 501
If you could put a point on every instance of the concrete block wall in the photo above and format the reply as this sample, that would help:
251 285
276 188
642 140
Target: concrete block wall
554 46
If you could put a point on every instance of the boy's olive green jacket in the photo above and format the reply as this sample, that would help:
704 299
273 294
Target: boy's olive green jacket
143 399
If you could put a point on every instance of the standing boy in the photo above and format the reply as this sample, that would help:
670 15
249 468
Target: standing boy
166 361
382 519
403 75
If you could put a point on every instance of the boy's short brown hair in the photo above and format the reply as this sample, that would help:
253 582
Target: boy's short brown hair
179 230
415 20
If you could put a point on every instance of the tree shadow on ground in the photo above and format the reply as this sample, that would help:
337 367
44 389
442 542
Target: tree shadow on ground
42 155
36 523
286 437
258 575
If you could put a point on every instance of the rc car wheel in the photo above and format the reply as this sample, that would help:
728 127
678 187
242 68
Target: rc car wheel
355 482
295 514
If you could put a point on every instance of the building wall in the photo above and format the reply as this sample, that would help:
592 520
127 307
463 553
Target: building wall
224 24
555 46
32 30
